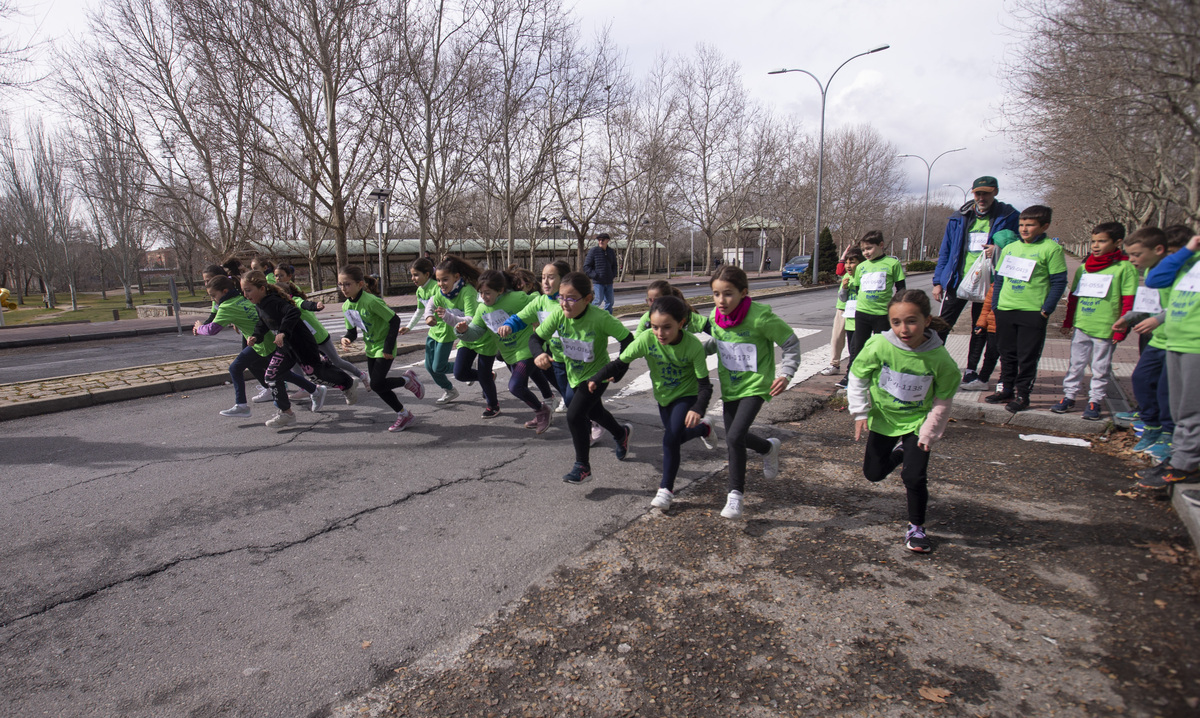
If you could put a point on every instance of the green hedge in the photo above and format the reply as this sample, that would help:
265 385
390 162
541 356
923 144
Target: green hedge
920 265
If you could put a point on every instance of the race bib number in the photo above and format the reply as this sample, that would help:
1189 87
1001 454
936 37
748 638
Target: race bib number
873 281
542 314
355 320
976 241
736 356
1148 301
1191 280
311 329
578 349
851 306
905 387
1017 268
1094 286
495 319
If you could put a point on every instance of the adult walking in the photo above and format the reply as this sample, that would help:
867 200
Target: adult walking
970 232
600 265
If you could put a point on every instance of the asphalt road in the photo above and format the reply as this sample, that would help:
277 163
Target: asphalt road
161 560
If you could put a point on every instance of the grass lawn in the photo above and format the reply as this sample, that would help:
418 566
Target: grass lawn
91 307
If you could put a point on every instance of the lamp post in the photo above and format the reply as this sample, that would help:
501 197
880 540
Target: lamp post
821 145
928 172
960 189
381 197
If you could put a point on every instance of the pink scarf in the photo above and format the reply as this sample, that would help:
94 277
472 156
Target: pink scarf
732 320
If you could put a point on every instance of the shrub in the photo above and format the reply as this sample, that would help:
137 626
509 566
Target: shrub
920 265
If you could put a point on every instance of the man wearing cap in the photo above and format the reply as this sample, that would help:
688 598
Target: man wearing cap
600 265
969 232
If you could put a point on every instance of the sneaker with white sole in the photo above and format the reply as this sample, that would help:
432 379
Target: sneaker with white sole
366 378
916 541
733 505
831 370
662 500
975 385
562 407
771 459
318 398
597 432
280 420
299 395
263 396
542 419
237 410
707 439
413 384
448 396
351 393
622 447
403 419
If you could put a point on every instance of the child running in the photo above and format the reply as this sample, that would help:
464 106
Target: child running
440 339
679 374
500 299
321 335
294 346
696 323
584 331
367 312
456 300
746 335
900 390
539 307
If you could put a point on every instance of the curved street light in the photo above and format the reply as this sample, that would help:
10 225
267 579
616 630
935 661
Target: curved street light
821 145
928 172
960 189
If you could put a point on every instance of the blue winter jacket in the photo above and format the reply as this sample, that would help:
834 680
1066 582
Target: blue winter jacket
948 272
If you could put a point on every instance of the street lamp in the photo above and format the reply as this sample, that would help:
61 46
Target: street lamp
960 189
381 197
821 146
928 172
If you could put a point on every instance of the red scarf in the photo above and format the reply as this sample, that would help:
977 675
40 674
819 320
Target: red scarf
1094 263
732 320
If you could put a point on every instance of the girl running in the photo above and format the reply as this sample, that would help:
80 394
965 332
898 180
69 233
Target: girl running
697 323
679 373
746 334
321 334
285 274
440 339
499 299
536 312
584 331
293 346
900 390
367 312
455 301
266 266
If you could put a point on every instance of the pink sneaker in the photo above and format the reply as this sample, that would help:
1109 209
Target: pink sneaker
403 419
413 384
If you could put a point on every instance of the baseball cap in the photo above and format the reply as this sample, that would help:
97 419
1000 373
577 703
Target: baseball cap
986 182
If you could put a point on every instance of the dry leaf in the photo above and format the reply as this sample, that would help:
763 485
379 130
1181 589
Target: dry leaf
1160 603
366 644
1127 494
937 695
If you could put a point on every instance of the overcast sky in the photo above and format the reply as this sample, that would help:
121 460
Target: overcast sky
936 88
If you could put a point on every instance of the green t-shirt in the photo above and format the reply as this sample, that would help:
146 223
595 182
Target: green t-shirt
540 306
903 383
850 310
584 340
674 368
1095 315
977 237
747 352
239 312
1027 273
270 278
697 323
370 315
875 279
1183 310
440 332
515 346
320 334
462 307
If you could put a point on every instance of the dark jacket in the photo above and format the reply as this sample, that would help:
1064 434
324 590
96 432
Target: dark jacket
601 265
282 317
948 272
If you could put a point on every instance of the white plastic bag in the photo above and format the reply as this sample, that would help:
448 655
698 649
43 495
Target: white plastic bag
975 283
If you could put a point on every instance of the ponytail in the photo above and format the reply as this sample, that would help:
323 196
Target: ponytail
356 273
496 280
457 265
258 279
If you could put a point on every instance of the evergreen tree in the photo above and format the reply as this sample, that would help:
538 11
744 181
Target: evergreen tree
828 255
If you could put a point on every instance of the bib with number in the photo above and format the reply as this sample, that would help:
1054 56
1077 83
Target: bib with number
977 241
873 282
356 320
1147 300
1017 268
577 349
495 319
909 388
311 329
1190 281
737 356
1094 285
851 305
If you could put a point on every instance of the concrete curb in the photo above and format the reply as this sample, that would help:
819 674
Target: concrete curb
1188 512
1040 420
69 338
37 407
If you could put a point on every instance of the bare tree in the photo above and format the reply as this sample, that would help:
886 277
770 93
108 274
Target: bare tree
863 177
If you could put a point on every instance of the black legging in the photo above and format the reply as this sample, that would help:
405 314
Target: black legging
309 361
739 415
585 408
464 372
675 435
879 462
518 383
382 384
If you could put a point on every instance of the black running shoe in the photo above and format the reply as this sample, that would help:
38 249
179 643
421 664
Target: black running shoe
578 474
491 412
1020 403
999 397
916 541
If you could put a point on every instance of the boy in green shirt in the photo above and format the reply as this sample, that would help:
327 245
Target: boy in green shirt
1031 276
1101 294
874 282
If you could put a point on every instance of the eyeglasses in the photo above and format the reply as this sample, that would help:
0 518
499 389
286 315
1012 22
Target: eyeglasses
569 301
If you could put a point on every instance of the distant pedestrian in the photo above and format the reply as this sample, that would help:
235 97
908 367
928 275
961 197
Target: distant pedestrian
768 262
900 391
600 266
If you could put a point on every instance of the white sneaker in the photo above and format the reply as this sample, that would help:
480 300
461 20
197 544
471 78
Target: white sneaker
366 378
771 459
263 396
733 505
712 432
299 395
562 407
351 393
975 385
831 370
281 420
237 410
318 398
597 432
662 500
448 396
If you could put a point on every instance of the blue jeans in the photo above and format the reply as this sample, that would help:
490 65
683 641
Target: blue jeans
603 296
1150 389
